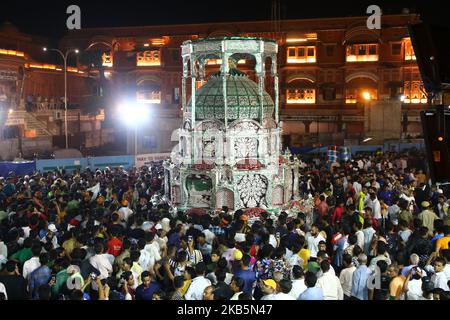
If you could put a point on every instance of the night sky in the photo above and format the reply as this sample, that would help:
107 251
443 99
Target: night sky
48 18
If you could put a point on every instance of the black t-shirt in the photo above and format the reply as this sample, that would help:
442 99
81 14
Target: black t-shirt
117 228
383 292
223 291
16 287
137 233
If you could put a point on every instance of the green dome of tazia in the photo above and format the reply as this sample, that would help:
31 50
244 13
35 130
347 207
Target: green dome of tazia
242 97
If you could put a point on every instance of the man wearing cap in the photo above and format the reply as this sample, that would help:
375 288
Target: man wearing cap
269 288
427 216
50 236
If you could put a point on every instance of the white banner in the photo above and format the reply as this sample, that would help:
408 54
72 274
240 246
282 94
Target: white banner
146 159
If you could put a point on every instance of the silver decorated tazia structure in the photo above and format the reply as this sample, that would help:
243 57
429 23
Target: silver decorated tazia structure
230 140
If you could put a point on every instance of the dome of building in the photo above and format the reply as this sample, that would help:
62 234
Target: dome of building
242 97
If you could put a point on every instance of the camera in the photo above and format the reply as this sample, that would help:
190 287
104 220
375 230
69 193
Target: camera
93 276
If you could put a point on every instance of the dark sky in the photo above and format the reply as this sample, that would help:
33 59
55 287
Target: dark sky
48 18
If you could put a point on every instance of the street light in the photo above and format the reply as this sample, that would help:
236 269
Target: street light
64 56
133 114
366 96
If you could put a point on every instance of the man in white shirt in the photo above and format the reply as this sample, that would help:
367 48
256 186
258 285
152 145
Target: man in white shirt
152 247
404 232
101 262
321 256
199 283
359 234
368 235
413 290
32 264
346 276
285 288
446 254
145 258
298 282
357 186
125 212
313 238
439 279
3 291
329 283
373 203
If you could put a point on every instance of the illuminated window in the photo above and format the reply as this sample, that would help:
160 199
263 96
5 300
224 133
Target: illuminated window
148 96
414 92
409 51
107 59
354 95
351 95
303 96
303 54
362 52
12 52
148 58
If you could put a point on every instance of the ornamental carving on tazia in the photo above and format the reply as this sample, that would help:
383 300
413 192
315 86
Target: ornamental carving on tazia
245 126
209 148
210 125
246 147
225 197
252 190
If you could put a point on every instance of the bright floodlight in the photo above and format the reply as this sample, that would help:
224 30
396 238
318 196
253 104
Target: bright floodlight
134 113
45 49
76 50
367 140
366 95
10 111
402 98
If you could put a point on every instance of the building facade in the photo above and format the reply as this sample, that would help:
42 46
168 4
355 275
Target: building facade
339 81
32 98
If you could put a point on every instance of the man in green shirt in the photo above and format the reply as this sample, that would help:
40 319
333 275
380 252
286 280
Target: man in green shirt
25 253
60 267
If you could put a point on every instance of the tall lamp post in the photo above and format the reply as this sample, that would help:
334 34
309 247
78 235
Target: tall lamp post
64 56
134 115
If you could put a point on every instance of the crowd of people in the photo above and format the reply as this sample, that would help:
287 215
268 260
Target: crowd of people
372 228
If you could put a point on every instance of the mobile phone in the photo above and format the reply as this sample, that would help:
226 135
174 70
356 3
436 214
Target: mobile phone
190 238
53 278
93 276
277 235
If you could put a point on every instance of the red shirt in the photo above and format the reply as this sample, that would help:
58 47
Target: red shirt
337 215
323 208
114 246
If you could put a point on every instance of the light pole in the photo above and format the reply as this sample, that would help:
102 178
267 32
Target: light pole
367 97
64 56
134 115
